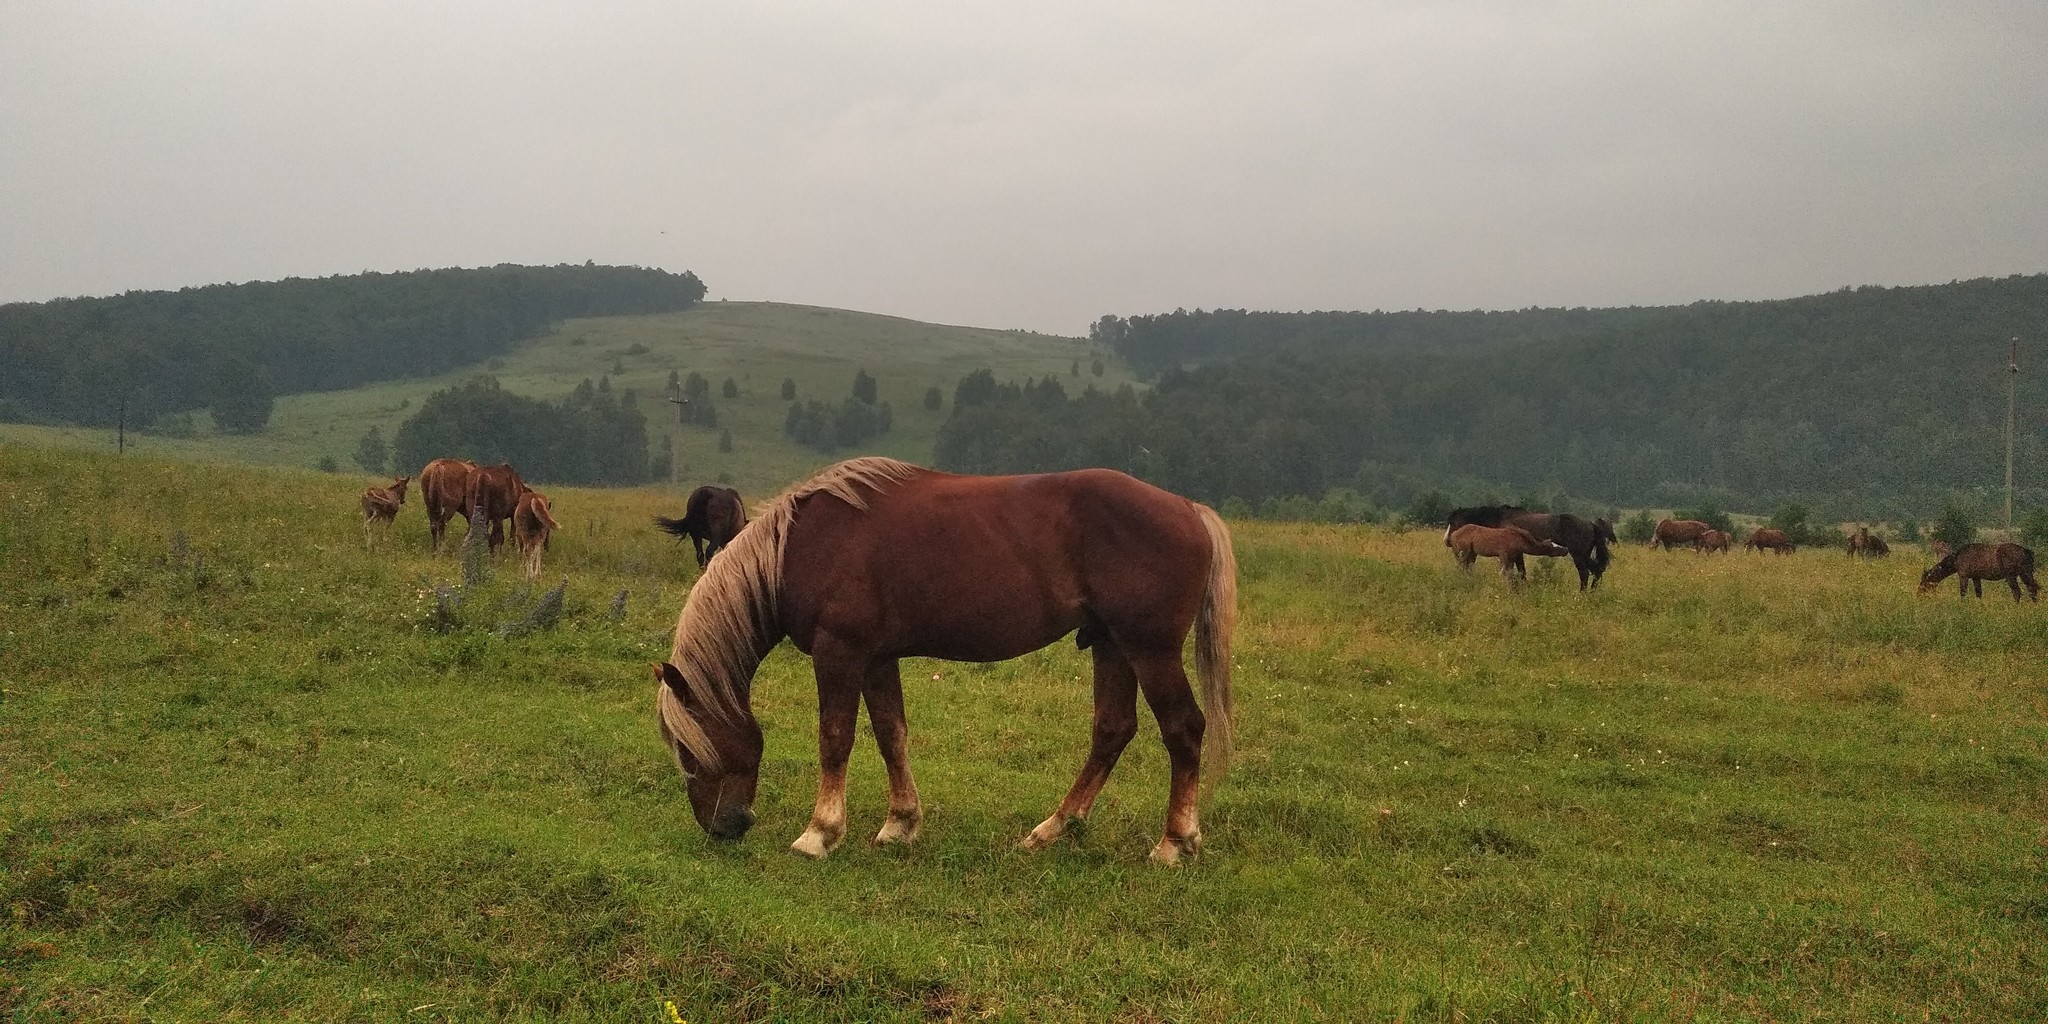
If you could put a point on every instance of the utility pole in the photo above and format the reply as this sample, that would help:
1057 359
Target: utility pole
121 429
2012 390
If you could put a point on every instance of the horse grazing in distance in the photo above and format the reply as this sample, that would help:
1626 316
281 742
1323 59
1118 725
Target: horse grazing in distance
1862 542
1768 539
1507 543
444 489
1670 533
494 494
532 524
711 519
874 560
380 507
1940 548
1972 564
1713 540
1587 541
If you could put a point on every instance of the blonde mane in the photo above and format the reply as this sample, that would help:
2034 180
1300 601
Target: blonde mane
733 616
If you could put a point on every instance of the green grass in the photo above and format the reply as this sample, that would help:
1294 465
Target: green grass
757 344
246 780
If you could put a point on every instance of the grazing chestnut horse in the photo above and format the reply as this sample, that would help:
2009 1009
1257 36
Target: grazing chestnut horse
1507 543
1713 540
380 506
713 517
1972 564
1671 533
494 493
1587 540
532 524
444 489
874 560
1768 539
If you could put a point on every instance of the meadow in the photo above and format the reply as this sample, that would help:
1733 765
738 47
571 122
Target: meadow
756 344
254 772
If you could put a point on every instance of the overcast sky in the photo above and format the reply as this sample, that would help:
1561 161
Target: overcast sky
1034 165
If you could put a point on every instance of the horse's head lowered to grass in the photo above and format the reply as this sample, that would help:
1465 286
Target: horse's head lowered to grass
718 751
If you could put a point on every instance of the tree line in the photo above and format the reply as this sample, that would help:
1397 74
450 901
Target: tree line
594 437
233 347
1864 403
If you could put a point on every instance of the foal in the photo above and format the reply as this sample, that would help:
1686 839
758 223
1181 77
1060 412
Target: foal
380 507
531 526
1507 543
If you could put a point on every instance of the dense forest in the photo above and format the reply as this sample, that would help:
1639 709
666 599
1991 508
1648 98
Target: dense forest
593 438
1864 402
232 347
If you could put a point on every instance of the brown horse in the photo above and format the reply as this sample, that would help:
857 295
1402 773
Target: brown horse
1972 564
713 517
494 494
1713 540
1862 542
1507 543
380 506
1670 533
1940 548
1587 540
444 490
874 560
532 524
1768 539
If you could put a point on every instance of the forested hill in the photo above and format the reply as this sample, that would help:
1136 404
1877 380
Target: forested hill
232 347
1858 399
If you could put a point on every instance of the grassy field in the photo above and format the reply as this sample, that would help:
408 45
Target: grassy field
249 774
757 344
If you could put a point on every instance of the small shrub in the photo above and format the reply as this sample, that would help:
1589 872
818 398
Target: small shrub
1956 526
1638 528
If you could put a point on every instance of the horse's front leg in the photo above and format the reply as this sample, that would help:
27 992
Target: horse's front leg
839 686
883 690
1116 721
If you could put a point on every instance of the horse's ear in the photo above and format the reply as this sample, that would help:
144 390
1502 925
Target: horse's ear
670 676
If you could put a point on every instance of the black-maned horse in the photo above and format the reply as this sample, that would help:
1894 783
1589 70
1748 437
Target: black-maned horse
1586 539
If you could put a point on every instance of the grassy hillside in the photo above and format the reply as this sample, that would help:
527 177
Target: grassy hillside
247 779
757 344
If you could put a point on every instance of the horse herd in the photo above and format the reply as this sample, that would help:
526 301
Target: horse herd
495 495
872 560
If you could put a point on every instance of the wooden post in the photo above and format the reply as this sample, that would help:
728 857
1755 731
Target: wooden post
121 429
2012 387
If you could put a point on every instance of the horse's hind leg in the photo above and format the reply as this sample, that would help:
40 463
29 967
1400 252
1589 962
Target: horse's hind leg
1116 721
2033 588
883 689
1165 684
839 686
2014 583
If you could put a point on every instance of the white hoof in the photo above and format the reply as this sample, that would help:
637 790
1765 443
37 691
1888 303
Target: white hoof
1170 850
897 830
1048 832
812 844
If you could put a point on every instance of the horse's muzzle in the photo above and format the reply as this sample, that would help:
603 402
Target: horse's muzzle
733 824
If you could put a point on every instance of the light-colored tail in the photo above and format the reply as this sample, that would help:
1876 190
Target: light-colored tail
1214 626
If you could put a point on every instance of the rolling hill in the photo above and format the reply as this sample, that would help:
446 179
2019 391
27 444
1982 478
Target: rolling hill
756 344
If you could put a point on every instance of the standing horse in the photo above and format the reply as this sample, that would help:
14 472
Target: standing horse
713 517
380 506
1507 543
1768 539
1863 543
1713 540
874 560
532 524
444 490
494 494
1972 564
1586 540
1670 533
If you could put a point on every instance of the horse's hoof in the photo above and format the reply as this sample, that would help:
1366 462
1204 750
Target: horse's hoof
1170 850
897 830
1048 832
812 844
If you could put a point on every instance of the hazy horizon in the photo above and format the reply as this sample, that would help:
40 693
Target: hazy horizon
1035 168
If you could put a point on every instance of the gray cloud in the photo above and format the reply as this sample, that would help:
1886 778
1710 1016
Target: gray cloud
1034 165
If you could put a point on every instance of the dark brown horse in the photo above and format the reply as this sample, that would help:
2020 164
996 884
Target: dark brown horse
1587 540
874 560
1768 539
713 517
1972 564
494 494
444 490
1671 533
1507 543
380 506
